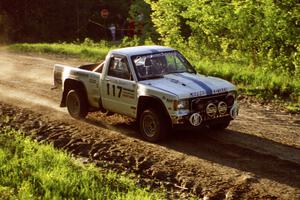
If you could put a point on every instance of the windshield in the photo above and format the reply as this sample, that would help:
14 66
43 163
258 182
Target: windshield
158 64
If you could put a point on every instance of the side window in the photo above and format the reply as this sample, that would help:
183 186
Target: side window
118 67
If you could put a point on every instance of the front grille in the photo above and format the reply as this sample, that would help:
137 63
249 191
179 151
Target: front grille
208 103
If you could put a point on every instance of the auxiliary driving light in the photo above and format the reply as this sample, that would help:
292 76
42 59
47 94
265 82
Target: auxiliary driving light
195 119
211 110
222 107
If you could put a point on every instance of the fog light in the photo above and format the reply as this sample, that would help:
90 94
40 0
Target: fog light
211 110
222 107
195 119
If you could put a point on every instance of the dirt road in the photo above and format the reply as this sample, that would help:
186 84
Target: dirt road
257 157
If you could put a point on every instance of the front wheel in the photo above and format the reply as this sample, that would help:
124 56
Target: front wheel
153 127
77 104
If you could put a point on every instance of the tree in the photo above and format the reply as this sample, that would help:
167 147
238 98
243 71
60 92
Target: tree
266 32
52 20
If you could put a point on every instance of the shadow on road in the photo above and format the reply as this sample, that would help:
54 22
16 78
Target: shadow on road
229 148
223 147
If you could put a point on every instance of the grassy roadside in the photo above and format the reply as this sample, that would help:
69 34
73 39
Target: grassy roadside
29 170
87 50
260 82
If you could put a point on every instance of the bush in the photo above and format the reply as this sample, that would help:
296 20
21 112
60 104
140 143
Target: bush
266 33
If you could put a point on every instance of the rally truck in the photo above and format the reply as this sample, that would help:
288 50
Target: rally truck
155 85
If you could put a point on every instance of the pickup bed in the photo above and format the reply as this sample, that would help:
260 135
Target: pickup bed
156 85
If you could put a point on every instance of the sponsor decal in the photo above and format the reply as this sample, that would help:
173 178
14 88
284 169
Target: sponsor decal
78 73
196 94
92 80
221 90
128 90
127 93
133 108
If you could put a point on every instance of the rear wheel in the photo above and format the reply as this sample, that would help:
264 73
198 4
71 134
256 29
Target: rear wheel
220 125
153 127
77 104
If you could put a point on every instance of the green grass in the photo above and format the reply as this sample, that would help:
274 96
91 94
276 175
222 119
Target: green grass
258 81
29 170
88 50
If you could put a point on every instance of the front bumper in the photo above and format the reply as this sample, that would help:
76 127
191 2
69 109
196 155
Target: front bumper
201 118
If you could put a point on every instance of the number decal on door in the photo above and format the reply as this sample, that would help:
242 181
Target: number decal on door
120 91
114 90
107 85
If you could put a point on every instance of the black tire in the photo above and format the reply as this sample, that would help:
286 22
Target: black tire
77 104
153 127
220 125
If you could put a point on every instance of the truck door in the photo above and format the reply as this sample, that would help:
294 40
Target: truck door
119 88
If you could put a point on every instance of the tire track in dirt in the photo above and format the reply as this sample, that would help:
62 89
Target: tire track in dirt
154 169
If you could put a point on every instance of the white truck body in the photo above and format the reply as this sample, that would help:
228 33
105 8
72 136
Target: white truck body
125 77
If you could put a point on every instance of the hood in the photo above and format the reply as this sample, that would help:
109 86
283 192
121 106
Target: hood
187 85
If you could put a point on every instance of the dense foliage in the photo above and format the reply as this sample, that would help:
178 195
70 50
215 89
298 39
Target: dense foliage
266 33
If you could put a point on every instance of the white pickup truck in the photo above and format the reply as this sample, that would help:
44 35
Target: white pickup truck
156 85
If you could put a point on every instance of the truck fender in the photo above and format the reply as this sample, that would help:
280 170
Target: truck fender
71 84
146 102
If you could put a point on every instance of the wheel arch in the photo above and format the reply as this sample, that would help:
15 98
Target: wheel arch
146 102
71 84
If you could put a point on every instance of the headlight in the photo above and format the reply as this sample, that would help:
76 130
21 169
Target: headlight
230 98
181 104
233 93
